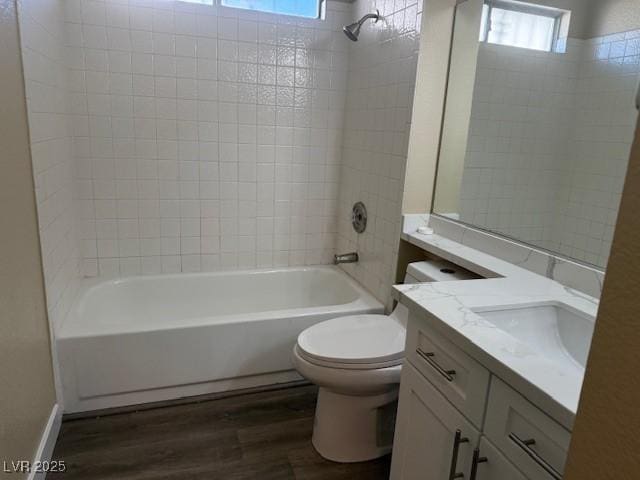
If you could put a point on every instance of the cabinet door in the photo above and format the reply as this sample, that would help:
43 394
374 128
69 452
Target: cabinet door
494 465
425 439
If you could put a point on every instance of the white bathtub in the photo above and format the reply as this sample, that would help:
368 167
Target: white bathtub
144 339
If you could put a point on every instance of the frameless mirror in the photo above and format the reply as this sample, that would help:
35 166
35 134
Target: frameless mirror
539 120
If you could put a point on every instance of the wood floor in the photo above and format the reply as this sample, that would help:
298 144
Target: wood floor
261 436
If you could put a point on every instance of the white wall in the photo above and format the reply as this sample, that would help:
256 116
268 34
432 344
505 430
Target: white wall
382 67
612 16
47 91
205 137
26 376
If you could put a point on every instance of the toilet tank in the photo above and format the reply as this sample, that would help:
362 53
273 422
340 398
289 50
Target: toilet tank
436 271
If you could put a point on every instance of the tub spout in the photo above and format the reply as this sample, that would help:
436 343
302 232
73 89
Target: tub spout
345 258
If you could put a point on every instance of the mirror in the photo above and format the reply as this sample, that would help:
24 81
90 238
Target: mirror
539 120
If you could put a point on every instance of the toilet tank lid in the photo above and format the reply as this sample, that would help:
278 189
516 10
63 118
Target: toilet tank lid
437 271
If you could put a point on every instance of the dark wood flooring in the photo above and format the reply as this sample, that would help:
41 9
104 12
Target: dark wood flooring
263 436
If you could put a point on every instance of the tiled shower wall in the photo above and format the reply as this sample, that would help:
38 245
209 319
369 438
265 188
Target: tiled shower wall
194 137
552 129
522 111
204 137
46 82
600 146
382 71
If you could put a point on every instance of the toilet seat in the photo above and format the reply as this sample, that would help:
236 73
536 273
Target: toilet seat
357 342
348 381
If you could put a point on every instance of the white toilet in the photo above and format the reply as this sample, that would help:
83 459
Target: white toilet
356 361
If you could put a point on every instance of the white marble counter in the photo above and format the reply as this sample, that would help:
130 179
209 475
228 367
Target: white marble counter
449 307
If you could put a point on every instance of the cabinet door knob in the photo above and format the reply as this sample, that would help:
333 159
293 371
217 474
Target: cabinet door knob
457 440
477 459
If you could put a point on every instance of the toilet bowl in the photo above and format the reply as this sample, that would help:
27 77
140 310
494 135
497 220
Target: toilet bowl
357 362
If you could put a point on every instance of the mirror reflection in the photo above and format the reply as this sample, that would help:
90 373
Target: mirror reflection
539 121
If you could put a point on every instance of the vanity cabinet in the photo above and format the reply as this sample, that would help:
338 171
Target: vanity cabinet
458 421
432 437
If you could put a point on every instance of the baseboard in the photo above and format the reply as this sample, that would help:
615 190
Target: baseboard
47 441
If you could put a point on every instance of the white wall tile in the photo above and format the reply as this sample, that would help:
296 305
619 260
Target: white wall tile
182 133
549 141
49 103
380 65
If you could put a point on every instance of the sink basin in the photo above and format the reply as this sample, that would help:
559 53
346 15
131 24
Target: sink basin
556 331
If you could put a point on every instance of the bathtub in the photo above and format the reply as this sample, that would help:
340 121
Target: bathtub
153 338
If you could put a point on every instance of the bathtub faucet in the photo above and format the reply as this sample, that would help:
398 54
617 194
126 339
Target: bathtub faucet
345 258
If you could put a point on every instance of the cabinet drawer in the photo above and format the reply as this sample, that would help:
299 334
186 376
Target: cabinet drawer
462 380
533 441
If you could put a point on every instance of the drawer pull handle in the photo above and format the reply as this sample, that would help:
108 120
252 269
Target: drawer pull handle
428 357
477 459
457 440
525 445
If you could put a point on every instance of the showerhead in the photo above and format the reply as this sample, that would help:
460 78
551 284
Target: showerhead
353 31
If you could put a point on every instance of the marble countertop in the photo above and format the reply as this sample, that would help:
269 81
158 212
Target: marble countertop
450 306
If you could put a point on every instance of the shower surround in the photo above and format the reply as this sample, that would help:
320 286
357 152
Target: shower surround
174 137
382 75
181 137
205 137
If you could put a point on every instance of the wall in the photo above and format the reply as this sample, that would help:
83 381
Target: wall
25 360
611 16
47 82
606 434
205 138
382 69
455 128
428 104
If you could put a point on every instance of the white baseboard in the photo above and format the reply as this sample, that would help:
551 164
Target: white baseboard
47 441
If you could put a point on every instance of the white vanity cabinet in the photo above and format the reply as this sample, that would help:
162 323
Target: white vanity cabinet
458 421
432 438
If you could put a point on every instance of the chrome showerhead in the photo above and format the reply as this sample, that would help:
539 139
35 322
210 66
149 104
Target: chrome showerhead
353 31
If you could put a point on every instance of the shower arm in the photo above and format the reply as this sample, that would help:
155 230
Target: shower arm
375 16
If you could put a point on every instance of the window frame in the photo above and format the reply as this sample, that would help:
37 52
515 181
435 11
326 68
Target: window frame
528 8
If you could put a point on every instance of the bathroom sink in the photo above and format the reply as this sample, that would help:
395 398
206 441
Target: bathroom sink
556 331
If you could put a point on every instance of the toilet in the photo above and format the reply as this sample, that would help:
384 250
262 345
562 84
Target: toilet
357 361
